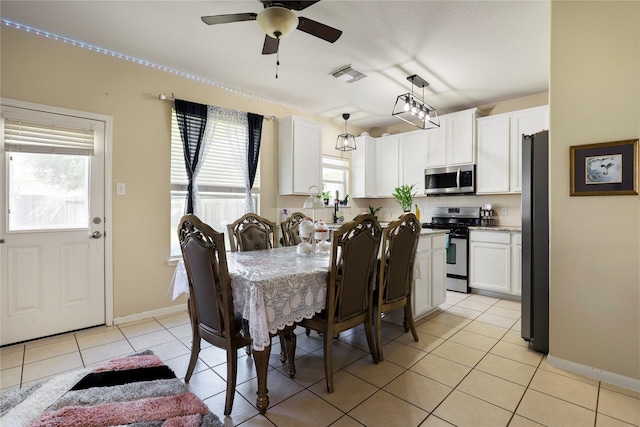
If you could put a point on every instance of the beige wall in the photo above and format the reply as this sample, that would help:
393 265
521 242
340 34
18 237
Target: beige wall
595 253
40 70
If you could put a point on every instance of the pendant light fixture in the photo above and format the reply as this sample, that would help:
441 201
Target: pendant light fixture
346 141
414 110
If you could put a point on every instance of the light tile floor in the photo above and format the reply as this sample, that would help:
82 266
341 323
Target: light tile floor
469 368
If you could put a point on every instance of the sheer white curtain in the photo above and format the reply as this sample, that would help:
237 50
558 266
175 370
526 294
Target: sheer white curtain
233 126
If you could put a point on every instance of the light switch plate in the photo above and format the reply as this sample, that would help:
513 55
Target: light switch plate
504 212
121 189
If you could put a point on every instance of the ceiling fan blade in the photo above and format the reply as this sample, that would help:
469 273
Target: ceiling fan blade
270 45
292 5
225 19
317 29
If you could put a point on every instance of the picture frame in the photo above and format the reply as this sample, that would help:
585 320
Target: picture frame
604 169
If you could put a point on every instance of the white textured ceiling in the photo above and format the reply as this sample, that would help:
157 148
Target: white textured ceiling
471 52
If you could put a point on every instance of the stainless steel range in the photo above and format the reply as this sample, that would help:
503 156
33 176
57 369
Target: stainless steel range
457 220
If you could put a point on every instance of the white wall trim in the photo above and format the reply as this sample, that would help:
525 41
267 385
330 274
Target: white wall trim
595 373
148 314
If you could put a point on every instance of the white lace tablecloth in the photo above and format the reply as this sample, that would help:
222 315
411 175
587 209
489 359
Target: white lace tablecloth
272 288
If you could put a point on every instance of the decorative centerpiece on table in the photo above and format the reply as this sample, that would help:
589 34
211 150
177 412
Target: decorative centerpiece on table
374 211
306 230
404 196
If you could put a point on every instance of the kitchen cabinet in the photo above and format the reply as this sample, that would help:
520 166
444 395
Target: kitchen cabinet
516 263
495 261
524 122
429 288
492 171
414 147
363 168
454 142
499 166
300 155
387 165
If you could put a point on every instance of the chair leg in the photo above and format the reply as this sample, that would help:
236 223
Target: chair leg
408 320
288 337
368 328
283 350
328 359
377 330
195 350
232 373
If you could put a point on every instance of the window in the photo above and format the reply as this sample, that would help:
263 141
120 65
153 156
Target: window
221 187
48 171
335 176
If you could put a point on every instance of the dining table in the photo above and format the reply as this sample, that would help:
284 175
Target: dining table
273 289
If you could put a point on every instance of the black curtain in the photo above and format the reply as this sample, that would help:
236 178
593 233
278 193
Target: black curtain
253 150
192 119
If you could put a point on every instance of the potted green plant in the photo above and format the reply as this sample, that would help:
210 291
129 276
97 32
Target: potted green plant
325 196
404 196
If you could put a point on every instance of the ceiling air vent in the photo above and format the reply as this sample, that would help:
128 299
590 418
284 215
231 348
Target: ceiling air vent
348 74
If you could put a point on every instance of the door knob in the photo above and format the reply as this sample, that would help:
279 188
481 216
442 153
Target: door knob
95 235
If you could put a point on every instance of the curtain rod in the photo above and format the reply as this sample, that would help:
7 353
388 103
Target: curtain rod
164 97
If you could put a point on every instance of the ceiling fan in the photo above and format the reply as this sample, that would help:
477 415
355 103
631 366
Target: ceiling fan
277 20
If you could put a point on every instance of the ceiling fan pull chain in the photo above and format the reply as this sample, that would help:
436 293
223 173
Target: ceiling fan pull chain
277 61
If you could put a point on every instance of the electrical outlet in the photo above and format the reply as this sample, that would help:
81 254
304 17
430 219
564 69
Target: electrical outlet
504 212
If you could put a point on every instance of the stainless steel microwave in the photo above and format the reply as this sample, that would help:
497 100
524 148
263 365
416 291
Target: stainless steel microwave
450 180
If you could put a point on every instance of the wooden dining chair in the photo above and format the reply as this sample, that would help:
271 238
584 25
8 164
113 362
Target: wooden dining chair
211 298
290 230
251 232
395 274
354 253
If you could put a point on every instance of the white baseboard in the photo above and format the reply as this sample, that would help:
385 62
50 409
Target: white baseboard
595 373
153 313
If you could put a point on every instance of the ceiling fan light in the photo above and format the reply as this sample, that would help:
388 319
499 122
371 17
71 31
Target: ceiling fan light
277 22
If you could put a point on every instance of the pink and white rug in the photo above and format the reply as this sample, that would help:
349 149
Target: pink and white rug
137 390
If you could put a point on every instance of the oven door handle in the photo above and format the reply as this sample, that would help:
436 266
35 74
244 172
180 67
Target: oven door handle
458 179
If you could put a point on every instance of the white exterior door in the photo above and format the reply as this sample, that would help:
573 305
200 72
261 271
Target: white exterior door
52 246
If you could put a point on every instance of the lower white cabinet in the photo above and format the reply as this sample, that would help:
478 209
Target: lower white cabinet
495 261
429 285
429 288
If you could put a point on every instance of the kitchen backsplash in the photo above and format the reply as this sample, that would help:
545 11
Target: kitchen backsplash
506 207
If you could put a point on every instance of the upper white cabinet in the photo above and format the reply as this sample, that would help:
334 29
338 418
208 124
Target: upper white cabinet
300 155
454 142
492 171
387 164
363 168
414 151
524 122
499 165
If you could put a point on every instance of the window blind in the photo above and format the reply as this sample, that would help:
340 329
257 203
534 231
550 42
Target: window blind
221 170
32 137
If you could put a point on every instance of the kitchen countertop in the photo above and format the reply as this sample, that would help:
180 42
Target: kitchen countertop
423 231
497 228
430 231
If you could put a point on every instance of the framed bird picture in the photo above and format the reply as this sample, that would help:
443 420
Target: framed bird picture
608 168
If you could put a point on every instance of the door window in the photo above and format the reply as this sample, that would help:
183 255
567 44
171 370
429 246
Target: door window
47 191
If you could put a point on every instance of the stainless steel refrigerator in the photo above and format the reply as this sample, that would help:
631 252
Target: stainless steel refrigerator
535 240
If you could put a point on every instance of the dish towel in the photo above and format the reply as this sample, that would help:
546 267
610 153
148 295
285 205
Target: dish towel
447 241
